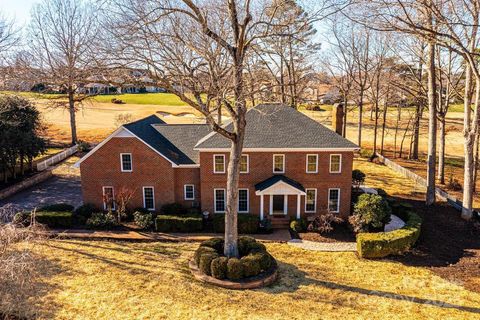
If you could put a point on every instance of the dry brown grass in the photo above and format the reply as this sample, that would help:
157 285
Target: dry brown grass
107 280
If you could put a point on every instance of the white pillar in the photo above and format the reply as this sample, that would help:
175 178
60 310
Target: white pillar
261 207
271 204
298 206
285 204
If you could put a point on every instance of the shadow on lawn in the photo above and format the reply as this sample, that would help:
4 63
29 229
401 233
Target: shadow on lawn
291 279
26 299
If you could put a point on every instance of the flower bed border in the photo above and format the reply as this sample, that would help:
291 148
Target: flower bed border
259 281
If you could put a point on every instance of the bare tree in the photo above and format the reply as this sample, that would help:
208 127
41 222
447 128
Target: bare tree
62 43
9 35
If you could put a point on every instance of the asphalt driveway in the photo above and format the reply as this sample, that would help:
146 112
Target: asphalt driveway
64 187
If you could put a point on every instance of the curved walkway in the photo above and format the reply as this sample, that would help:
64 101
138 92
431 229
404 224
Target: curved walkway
324 246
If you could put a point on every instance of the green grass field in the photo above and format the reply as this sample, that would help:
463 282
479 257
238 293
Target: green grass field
168 99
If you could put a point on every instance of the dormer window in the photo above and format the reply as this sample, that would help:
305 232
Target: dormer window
278 163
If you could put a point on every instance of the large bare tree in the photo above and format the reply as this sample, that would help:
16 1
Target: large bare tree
62 44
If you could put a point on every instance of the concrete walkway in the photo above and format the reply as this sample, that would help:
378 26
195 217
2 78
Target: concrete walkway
324 246
277 236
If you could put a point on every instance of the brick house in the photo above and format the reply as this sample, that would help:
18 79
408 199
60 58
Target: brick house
291 166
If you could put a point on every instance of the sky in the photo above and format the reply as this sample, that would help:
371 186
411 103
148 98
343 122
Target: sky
18 9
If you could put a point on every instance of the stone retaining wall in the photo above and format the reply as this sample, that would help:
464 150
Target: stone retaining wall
24 184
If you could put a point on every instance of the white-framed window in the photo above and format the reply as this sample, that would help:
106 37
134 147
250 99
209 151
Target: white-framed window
335 163
244 163
218 163
278 163
243 205
312 163
333 200
148 198
219 200
189 192
108 198
126 162
311 200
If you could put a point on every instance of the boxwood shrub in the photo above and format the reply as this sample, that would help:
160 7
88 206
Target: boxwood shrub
53 219
247 223
183 223
254 259
382 244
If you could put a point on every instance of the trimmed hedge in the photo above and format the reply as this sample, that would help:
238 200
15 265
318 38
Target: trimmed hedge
184 223
54 219
247 223
57 207
382 244
254 259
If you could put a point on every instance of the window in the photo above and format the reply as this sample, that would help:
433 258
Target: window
108 198
278 163
219 163
126 162
312 163
219 200
335 163
244 163
333 200
311 200
243 200
189 192
148 198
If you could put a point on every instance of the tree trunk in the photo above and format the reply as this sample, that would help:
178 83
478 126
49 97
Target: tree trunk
385 109
432 123
416 131
360 118
375 128
441 151
344 129
282 83
399 114
72 111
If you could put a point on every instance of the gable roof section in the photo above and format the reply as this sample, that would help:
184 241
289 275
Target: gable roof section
273 180
277 126
180 139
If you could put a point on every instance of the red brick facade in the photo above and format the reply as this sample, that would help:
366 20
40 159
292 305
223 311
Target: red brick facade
103 168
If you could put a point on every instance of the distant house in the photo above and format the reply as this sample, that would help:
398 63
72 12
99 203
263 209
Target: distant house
291 166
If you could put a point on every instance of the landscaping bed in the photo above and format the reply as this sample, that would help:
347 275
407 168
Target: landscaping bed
340 233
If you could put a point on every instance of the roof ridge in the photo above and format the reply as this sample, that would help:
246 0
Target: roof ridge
142 119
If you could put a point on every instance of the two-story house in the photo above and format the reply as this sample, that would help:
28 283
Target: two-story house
291 166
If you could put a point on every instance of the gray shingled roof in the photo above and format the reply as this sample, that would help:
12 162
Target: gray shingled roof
279 126
175 142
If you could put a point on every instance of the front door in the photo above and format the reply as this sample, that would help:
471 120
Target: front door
278 204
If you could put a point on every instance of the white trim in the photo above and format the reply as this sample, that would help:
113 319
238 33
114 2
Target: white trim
224 164
215 199
185 191
316 162
113 197
248 163
352 149
273 163
330 164
338 201
298 206
315 202
261 207
121 162
153 197
248 200
115 134
188 166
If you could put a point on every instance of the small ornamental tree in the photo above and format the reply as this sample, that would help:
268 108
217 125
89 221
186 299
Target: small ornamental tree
371 212
358 178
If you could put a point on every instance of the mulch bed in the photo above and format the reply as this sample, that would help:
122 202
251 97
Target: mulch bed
340 233
448 245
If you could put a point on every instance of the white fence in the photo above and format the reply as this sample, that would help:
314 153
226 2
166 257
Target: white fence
56 158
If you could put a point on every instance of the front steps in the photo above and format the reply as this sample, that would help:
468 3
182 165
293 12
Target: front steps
280 222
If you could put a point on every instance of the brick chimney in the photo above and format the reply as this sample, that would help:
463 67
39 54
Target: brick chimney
337 118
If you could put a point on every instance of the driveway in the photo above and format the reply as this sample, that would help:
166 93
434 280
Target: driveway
64 186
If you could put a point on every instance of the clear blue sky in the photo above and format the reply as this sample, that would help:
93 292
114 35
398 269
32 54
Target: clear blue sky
18 9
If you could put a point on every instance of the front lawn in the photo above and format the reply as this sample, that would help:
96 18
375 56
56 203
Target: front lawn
119 280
